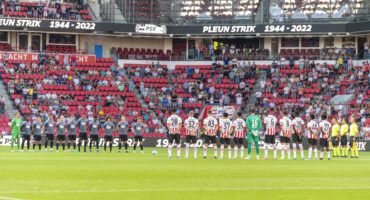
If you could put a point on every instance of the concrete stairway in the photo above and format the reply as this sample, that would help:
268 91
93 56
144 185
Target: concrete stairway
110 11
10 109
256 88
143 103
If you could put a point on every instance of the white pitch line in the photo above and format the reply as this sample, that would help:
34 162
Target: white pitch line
9 198
181 190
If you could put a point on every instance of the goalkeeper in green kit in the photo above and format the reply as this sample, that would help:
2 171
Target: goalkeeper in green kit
16 130
254 125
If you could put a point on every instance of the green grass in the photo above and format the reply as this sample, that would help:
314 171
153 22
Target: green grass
41 175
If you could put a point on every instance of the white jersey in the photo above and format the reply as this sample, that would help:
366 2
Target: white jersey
298 124
191 125
174 124
285 126
210 124
313 129
325 129
270 122
225 127
239 128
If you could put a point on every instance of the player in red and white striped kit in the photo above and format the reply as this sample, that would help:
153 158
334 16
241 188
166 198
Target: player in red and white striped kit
297 135
270 122
226 129
174 123
313 130
325 127
210 126
286 133
239 128
191 125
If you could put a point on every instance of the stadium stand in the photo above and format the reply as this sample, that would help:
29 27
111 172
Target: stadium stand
45 9
309 88
220 9
304 9
191 87
50 86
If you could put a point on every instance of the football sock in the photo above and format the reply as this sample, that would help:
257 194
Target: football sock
40 146
257 148
141 147
301 149
135 146
294 151
266 150
309 153
187 150
126 146
178 150
235 151
242 151
215 151
170 150
315 151
111 146
120 146
229 151
22 146
195 150
275 151
64 146
222 151
249 148
205 150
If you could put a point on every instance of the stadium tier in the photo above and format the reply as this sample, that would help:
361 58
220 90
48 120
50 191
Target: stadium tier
184 99
45 10
146 58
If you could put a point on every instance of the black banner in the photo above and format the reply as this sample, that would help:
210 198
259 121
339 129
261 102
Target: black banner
151 29
363 145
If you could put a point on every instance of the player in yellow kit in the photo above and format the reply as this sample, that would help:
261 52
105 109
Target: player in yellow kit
335 137
353 133
343 138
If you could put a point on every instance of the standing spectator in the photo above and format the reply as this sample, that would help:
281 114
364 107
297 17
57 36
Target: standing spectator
2 105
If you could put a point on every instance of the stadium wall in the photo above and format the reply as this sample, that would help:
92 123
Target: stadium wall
88 43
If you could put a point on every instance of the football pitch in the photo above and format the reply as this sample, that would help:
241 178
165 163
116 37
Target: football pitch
80 176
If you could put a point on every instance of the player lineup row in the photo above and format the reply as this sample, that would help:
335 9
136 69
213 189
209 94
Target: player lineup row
292 128
27 130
